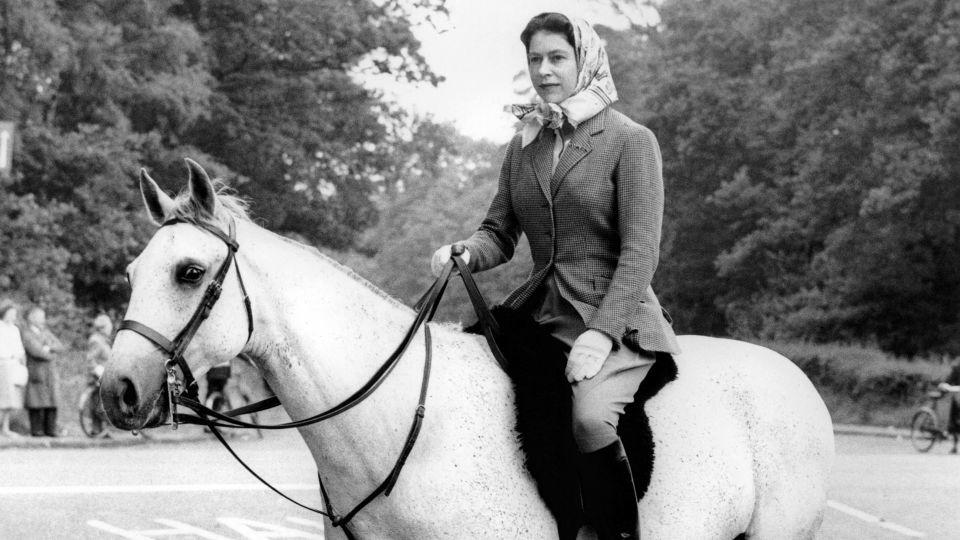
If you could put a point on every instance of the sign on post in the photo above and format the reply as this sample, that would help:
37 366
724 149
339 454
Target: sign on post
6 147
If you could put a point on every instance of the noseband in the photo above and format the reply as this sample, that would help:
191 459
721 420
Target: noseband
187 386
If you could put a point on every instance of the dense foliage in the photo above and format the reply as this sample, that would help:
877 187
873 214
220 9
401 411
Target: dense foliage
810 151
264 93
811 166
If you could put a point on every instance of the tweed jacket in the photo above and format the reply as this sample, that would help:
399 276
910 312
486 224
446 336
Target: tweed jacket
595 222
42 346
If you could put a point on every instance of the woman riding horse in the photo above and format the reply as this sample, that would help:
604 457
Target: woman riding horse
583 182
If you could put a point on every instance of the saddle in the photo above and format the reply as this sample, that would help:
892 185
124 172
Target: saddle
543 402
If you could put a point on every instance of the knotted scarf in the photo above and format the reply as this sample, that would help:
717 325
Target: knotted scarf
594 91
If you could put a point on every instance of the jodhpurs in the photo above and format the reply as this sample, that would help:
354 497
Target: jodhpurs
598 401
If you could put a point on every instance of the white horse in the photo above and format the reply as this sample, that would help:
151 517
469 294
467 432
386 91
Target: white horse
743 442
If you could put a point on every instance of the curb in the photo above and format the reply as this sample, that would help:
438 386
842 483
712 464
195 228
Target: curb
115 439
871 431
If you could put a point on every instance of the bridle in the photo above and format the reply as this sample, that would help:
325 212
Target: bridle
187 386
185 391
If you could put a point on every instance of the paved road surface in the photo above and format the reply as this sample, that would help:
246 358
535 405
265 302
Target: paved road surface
881 489
917 495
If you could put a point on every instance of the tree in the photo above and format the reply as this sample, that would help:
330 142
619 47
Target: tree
810 189
265 93
290 117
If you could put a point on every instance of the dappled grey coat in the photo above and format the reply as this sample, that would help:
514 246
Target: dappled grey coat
42 346
595 222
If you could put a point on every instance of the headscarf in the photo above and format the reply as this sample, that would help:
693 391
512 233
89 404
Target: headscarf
594 91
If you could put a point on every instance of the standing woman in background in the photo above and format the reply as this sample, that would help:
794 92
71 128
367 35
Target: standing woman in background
13 368
583 182
43 391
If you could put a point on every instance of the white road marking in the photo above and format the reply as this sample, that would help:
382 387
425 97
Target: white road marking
246 528
307 522
154 488
131 535
179 528
878 521
257 530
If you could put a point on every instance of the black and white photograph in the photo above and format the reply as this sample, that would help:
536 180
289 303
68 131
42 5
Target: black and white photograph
479 269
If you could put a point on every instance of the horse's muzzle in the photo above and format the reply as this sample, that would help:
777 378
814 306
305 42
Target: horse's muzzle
128 408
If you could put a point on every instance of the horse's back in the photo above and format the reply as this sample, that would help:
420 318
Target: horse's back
742 434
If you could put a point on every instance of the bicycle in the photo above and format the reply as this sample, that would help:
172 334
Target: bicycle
926 428
93 419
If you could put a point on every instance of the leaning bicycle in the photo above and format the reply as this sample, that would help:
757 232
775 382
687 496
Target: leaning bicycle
928 425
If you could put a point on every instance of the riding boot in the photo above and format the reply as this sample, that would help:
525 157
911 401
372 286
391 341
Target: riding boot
36 422
50 422
609 496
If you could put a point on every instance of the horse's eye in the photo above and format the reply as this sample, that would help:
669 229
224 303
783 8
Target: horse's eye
190 274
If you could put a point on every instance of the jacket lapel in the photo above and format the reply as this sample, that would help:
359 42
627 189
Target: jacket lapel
579 146
541 157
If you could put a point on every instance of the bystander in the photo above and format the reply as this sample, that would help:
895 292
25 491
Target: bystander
13 368
42 393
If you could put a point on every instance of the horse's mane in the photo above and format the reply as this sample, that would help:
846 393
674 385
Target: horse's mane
229 205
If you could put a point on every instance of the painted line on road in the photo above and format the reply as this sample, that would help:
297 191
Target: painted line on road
878 521
307 522
154 488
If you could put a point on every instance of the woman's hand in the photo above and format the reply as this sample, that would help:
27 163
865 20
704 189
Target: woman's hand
587 355
441 256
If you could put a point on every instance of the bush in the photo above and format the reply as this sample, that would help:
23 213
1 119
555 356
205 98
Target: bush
864 385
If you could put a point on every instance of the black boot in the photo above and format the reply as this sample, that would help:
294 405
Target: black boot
609 497
50 423
36 422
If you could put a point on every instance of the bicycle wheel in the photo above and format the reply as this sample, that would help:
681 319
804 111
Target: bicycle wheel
216 401
91 422
924 431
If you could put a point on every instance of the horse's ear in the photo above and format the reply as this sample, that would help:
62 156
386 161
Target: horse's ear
201 188
158 203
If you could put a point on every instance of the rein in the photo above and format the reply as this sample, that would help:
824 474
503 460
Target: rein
184 391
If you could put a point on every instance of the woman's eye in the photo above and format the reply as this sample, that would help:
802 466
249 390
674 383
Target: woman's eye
190 274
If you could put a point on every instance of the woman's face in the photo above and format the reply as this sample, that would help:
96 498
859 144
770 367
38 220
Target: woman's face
552 63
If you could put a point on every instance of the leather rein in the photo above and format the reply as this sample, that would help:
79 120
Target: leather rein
183 389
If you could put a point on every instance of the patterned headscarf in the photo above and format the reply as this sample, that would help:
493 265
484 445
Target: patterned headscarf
594 92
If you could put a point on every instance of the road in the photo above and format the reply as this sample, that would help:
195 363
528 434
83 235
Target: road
881 489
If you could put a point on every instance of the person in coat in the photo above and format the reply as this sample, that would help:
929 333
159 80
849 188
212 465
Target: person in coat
42 392
583 183
12 368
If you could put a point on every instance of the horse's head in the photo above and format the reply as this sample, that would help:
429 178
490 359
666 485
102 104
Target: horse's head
168 281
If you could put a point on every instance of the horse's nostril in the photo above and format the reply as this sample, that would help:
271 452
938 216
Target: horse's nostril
128 395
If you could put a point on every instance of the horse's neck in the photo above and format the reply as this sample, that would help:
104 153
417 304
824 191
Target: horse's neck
320 334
